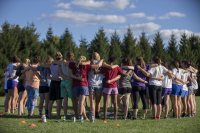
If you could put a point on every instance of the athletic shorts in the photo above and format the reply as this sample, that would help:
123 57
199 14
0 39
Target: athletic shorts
43 89
95 89
110 91
166 91
11 84
81 90
54 92
66 88
177 89
190 90
124 90
20 87
184 93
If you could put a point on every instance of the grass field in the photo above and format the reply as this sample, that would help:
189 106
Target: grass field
11 124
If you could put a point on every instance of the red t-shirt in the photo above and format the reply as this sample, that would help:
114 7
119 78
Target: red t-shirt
82 71
110 74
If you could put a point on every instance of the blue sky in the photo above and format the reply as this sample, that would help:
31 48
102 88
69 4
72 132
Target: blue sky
85 17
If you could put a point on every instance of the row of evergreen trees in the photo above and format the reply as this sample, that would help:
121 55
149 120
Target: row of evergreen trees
25 42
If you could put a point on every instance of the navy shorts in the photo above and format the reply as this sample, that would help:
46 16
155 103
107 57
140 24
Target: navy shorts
177 89
80 90
11 84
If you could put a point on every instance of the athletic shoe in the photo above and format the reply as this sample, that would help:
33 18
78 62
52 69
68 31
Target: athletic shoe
81 119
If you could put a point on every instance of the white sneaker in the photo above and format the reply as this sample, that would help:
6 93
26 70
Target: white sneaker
81 119
74 119
64 118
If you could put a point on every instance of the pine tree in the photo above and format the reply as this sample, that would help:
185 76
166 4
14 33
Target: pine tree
115 49
100 44
172 49
158 46
83 48
66 42
145 48
185 48
129 45
51 43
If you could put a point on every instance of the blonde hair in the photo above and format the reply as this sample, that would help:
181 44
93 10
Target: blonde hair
82 59
96 56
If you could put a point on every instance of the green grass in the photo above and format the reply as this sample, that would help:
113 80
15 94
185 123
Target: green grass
10 124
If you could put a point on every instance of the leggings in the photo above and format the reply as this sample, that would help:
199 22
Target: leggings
155 93
32 93
138 92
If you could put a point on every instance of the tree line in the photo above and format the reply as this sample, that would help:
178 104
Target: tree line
25 42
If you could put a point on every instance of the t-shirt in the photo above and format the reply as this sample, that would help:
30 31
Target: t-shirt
125 81
141 75
157 72
178 73
11 69
65 69
95 79
167 82
44 72
80 71
184 77
110 74
54 71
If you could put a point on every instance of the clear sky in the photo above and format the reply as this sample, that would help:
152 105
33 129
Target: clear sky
85 17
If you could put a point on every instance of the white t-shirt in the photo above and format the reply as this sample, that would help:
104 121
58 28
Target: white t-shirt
12 71
184 77
95 80
157 72
178 73
167 82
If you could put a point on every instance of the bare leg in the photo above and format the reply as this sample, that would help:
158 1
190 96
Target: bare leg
114 102
65 105
106 100
97 103
41 103
6 102
58 107
50 108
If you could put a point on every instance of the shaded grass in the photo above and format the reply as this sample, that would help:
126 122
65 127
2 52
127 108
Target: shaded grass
10 124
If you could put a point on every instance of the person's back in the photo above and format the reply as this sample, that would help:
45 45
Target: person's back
110 74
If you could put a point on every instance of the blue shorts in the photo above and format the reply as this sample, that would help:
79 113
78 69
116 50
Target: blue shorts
11 84
184 93
81 90
166 91
177 89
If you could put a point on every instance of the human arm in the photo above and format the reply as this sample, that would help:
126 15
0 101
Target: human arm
109 66
113 80
139 79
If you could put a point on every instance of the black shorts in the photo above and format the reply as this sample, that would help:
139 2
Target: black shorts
20 87
124 90
55 91
43 89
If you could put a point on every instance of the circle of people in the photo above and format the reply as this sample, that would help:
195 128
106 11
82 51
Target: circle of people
62 79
